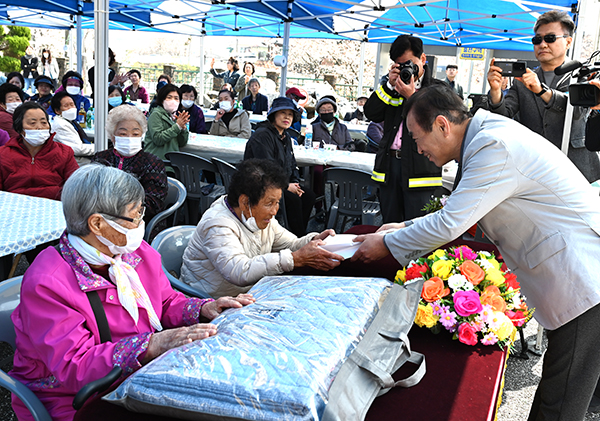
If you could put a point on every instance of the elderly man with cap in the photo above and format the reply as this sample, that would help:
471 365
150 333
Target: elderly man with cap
255 102
328 129
44 86
358 114
271 141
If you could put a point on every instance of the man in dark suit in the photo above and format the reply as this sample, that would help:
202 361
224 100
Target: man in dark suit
540 97
451 72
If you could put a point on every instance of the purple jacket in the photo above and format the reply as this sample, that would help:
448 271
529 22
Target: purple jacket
58 342
4 137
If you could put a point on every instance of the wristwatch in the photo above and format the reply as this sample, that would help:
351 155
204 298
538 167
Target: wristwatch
543 91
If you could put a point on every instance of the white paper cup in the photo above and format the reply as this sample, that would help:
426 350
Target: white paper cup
316 145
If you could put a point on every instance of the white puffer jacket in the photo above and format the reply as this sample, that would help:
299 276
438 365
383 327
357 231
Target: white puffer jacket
224 257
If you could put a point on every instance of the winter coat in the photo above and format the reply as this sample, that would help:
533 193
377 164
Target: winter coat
261 104
163 135
227 76
224 257
239 126
197 121
65 133
339 136
267 143
29 66
6 123
385 104
43 175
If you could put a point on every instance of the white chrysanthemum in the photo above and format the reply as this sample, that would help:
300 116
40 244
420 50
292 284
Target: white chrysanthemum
459 283
485 253
485 264
516 300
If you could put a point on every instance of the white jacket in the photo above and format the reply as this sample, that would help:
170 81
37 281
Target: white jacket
224 257
67 135
51 72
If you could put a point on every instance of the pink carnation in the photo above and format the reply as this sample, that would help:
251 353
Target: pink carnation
464 253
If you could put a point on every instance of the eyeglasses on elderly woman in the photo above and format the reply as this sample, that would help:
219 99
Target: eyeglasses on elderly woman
137 220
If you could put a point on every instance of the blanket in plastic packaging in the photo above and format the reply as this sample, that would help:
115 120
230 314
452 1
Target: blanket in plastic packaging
272 360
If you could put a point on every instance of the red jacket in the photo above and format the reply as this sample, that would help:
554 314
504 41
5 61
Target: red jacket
40 176
6 123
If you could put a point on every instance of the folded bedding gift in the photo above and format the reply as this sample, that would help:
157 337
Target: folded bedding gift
272 360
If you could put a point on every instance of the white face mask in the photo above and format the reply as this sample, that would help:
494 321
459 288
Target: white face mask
70 114
128 146
171 105
45 55
225 105
134 236
36 137
12 106
360 108
73 90
250 222
187 103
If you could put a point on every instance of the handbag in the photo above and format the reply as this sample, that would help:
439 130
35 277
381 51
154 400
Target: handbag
367 373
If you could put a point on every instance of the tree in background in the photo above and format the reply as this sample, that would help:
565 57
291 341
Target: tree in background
13 45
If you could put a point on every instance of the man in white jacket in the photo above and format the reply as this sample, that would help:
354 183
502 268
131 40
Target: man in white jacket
67 129
543 216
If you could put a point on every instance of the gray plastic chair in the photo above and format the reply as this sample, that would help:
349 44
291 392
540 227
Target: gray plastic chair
226 170
349 201
171 243
175 198
191 171
10 295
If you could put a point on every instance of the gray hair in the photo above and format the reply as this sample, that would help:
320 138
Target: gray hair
121 113
97 189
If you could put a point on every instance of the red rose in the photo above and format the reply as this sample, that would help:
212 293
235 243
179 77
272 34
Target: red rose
511 281
416 271
517 317
467 334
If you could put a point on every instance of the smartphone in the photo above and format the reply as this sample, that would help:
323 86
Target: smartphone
511 68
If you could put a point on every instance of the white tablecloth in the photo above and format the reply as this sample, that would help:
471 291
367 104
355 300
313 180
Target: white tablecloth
231 149
26 222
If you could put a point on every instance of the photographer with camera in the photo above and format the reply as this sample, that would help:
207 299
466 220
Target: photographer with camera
407 179
540 97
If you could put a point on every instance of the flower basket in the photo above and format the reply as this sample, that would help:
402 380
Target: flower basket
466 293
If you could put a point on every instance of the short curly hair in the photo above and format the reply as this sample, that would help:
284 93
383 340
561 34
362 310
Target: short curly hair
253 178
122 113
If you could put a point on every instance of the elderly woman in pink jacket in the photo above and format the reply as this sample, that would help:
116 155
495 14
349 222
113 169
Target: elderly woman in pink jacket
101 254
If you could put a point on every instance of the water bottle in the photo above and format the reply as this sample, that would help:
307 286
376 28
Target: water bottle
308 137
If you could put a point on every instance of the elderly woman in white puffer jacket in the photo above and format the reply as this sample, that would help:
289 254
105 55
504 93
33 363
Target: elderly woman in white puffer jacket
238 240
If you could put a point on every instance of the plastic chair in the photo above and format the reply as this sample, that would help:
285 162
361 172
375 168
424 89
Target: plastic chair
10 295
349 200
175 198
226 170
171 243
192 170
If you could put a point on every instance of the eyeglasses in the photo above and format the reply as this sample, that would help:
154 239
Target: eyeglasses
549 39
136 220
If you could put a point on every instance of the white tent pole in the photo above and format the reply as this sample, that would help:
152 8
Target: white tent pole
201 70
71 33
286 48
101 72
361 69
79 45
377 66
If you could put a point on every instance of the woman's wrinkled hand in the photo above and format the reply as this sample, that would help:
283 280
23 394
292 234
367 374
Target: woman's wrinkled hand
161 342
316 257
296 189
215 308
324 234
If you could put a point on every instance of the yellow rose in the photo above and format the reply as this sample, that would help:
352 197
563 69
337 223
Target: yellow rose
439 253
494 276
496 263
506 326
400 276
442 268
425 316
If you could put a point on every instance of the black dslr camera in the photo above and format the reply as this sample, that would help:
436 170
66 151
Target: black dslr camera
408 70
582 93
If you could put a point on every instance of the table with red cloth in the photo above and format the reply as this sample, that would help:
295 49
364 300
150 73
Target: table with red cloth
462 383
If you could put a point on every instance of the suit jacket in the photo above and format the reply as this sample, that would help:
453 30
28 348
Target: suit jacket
549 119
531 201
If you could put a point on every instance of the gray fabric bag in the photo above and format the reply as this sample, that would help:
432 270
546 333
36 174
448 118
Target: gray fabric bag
367 373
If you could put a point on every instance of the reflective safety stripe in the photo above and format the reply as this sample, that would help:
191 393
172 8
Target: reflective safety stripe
385 97
425 182
378 176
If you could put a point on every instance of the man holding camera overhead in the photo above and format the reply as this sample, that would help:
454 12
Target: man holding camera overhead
540 97
407 179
